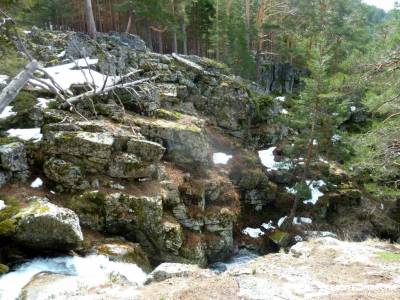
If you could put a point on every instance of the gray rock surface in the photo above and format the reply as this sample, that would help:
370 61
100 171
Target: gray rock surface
43 225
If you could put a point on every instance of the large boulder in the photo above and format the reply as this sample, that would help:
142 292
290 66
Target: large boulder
43 225
186 142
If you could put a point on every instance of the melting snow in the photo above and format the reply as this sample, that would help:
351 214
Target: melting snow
301 220
315 192
284 111
4 79
37 183
336 138
268 226
353 108
26 134
69 74
7 112
61 55
281 220
2 204
88 272
268 160
281 98
291 190
253 232
221 158
43 102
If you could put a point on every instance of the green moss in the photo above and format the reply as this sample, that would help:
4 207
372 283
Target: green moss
279 237
88 202
4 269
168 115
389 256
11 62
7 223
24 102
8 140
214 64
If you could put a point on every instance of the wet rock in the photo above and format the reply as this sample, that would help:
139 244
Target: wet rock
43 225
123 251
13 157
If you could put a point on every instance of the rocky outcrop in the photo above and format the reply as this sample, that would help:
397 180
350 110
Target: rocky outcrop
45 226
77 150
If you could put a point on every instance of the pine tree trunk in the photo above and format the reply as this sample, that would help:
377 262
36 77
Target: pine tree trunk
160 42
90 24
129 25
184 37
248 12
175 41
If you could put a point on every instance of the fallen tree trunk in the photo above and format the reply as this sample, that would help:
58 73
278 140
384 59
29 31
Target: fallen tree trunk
190 64
73 100
11 91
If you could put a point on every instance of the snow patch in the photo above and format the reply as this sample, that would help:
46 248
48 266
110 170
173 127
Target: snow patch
37 183
353 108
4 79
7 112
336 138
281 98
301 220
221 158
281 220
268 160
268 226
43 102
253 232
88 272
77 73
61 55
292 190
284 111
2 205
26 134
315 192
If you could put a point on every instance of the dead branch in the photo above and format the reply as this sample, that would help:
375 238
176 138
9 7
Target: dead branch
11 91
192 65
76 99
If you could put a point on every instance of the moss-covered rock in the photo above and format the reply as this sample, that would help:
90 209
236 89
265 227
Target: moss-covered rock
4 269
186 143
127 252
43 225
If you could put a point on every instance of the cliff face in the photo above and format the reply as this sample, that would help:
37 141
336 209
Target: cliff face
168 164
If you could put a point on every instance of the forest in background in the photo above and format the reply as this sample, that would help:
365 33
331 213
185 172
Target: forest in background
241 33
